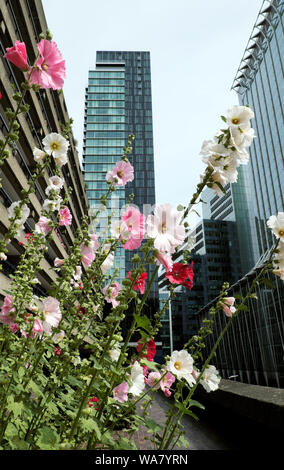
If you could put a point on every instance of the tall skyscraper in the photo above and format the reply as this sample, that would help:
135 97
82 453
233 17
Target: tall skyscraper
119 103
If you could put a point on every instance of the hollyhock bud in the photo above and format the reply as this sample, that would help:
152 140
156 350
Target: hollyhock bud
17 55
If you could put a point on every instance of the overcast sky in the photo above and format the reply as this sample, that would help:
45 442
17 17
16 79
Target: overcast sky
196 47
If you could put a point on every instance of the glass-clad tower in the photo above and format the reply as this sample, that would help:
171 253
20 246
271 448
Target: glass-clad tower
259 83
253 348
119 103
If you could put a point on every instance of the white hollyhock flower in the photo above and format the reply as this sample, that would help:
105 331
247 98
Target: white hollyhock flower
219 177
210 379
51 311
165 227
108 262
280 273
230 169
243 139
181 365
61 160
137 382
278 258
55 184
276 223
24 214
238 117
38 154
58 336
212 152
114 354
78 273
52 204
54 144
119 229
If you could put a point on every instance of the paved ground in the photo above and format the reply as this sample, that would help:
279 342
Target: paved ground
199 434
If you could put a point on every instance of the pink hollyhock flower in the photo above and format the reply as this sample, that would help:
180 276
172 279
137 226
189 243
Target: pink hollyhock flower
51 311
65 217
17 55
145 372
50 67
153 380
140 282
122 173
165 259
57 351
180 273
228 306
87 254
44 224
164 226
58 262
111 291
135 222
7 309
166 383
37 326
14 327
88 250
120 392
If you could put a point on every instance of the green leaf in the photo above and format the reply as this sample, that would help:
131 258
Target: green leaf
243 307
48 439
73 381
186 411
125 444
108 440
223 118
52 408
15 407
183 442
35 388
90 425
152 426
11 431
150 364
269 284
143 322
197 404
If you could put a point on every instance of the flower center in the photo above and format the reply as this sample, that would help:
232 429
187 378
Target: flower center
54 146
44 66
281 232
177 365
235 121
120 174
164 228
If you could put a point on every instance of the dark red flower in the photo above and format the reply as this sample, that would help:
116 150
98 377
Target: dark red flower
140 282
91 401
150 349
81 310
181 274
